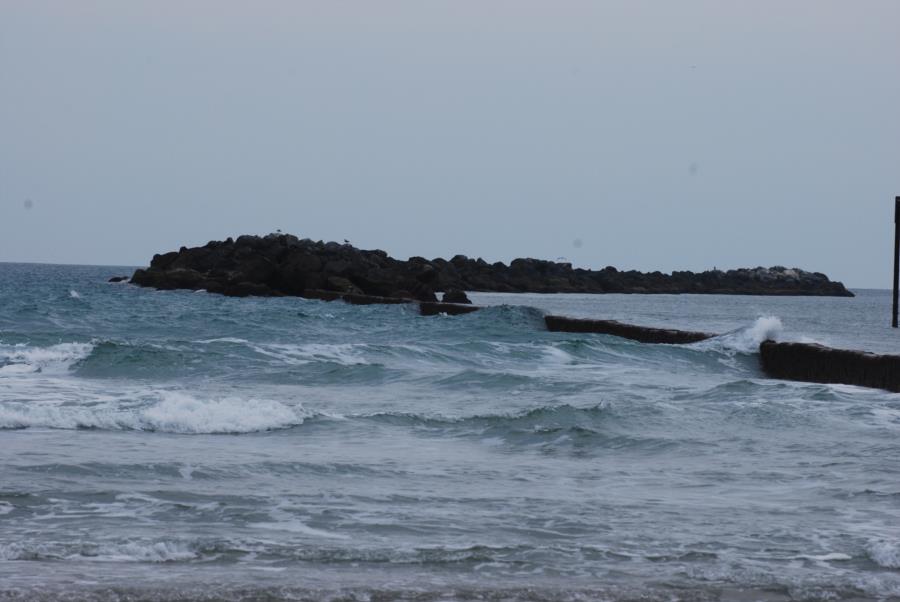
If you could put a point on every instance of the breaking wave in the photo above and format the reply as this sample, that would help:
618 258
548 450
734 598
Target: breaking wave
19 359
174 412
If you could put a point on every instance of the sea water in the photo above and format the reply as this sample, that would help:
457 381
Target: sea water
186 446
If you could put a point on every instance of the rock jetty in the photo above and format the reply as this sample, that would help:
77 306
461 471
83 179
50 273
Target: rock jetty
282 264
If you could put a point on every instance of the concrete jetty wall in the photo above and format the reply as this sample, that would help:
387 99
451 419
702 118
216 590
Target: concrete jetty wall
628 331
426 308
820 364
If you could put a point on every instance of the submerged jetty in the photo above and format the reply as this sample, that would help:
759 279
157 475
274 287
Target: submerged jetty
282 264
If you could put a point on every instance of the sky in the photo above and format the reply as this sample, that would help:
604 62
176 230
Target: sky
645 135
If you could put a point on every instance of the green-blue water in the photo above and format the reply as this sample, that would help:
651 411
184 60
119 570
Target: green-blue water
186 446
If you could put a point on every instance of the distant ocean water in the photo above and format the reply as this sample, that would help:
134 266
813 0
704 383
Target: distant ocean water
186 446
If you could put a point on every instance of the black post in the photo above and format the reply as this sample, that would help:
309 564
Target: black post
896 257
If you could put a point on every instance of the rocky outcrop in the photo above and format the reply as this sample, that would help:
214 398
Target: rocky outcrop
282 264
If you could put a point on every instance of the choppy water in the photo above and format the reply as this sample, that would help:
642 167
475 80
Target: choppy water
186 446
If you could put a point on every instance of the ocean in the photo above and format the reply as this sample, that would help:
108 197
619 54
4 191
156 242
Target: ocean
186 446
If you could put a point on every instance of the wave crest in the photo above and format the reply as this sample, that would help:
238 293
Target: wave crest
746 339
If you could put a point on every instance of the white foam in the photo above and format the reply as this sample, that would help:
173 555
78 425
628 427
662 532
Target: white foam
6 508
885 553
830 556
555 355
25 415
174 412
135 551
234 340
20 359
74 294
160 551
346 354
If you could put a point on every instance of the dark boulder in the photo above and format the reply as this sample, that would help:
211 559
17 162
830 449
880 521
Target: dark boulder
455 296
247 289
342 285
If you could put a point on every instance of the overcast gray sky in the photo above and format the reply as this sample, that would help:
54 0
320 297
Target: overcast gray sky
647 135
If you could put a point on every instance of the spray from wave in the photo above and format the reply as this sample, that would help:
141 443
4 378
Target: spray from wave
744 340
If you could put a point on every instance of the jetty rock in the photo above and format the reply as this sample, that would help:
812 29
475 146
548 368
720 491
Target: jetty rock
283 264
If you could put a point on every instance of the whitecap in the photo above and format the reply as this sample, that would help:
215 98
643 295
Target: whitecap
346 354
233 340
885 553
830 556
26 415
182 413
74 294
